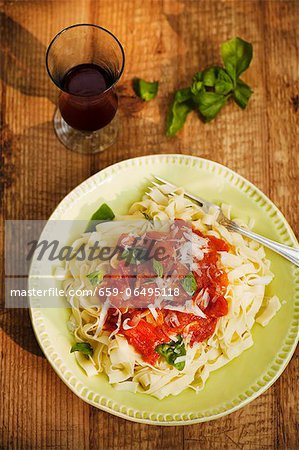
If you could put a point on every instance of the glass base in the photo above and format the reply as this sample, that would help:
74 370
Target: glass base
85 141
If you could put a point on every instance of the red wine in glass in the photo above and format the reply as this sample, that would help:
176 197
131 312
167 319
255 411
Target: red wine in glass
85 61
86 103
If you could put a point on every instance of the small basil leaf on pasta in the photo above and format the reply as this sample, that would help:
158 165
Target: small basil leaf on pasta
83 347
95 277
129 255
158 268
103 213
139 253
189 284
147 217
133 255
149 281
174 352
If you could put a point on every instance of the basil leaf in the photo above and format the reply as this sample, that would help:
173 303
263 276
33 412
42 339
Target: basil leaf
103 213
224 83
147 217
180 108
148 281
242 94
183 95
197 83
83 347
198 76
189 284
209 104
172 351
128 255
158 268
145 89
236 55
95 277
133 255
139 253
210 76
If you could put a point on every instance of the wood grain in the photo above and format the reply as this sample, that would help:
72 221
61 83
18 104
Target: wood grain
168 41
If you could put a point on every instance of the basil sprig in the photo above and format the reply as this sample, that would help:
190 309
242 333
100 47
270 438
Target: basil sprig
95 277
172 351
213 87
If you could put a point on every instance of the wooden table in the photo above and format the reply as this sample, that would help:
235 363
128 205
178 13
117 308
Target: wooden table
167 41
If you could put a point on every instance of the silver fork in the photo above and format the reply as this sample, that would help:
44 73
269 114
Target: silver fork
290 253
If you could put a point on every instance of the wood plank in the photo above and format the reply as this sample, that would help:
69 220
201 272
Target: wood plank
169 41
282 85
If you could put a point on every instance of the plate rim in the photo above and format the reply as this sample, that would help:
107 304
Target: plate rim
172 419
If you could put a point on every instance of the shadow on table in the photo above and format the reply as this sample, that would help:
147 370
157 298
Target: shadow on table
23 60
23 67
17 325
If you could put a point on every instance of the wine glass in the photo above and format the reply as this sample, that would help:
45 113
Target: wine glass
85 61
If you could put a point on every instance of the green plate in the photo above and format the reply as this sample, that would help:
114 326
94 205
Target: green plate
232 386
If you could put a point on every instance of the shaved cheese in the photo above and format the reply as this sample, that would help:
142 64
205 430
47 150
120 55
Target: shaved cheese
180 359
196 268
197 253
153 311
199 241
194 309
125 325
203 297
186 253
189 307
172 319
102 318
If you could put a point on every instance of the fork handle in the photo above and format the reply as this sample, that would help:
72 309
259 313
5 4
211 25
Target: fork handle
290 253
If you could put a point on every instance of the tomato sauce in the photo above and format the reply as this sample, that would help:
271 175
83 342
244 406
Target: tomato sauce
147 332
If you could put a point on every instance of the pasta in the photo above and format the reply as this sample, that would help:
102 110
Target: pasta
182 361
